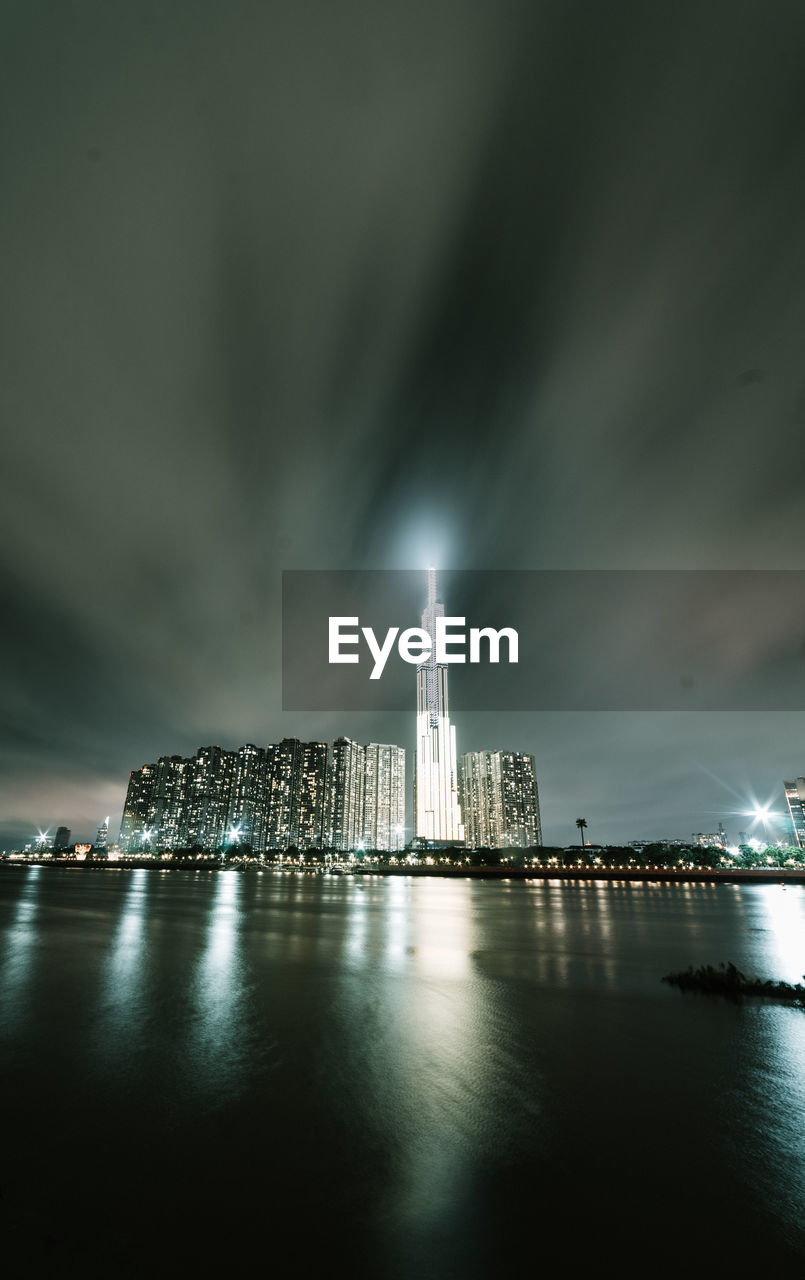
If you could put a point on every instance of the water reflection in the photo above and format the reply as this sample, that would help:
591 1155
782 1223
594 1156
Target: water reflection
20 944
122 991
126 963
775 1086
435 1043
218 1048
784 909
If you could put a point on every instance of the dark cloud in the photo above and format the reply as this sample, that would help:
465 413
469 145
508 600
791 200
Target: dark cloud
515 284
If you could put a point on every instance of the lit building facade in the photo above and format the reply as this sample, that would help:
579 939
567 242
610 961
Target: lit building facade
384 798
291 793
437 811
522 828
345 795
500 800
481 799
135 810
309 794
795 799
247 817
208 797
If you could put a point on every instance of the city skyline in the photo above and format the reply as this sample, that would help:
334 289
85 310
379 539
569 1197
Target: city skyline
343 796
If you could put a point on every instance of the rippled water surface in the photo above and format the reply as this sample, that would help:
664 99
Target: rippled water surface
407 1077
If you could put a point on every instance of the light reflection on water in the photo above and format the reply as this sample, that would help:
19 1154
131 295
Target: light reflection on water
20 942
215 1049
426 1055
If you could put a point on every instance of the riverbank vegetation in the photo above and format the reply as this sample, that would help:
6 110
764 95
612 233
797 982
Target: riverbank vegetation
727 980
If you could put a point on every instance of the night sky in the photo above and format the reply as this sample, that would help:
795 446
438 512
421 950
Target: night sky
360 285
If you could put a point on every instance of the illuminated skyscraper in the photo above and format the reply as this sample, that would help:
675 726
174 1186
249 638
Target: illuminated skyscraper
167 811
246 820
500 800
135 810
795 798
437 813
345 792
481 799
297 779
289 793
310 785
384 798
102 834
522 828
208 797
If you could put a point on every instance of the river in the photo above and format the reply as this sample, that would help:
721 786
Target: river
401 1077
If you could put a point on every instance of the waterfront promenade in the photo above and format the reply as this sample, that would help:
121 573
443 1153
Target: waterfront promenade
697 875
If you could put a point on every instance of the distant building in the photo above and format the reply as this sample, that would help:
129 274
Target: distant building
102 835
710 839
61 840
795 799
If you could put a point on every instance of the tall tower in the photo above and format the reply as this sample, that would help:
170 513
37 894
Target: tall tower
437 810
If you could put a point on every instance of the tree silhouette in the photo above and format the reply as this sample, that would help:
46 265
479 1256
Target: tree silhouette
581 823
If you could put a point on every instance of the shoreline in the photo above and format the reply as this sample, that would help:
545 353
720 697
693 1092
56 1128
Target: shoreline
755 875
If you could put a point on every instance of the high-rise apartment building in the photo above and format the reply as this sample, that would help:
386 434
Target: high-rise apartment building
248 810
289 793
522 828
795 799
437 812
500 800
481 799
345 795
384 798
136 808
309 795
297 785
167 811
208 797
